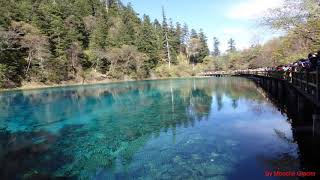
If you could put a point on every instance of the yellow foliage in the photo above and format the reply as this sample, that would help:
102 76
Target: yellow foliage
182 69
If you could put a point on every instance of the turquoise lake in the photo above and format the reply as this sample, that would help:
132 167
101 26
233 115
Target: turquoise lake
201 128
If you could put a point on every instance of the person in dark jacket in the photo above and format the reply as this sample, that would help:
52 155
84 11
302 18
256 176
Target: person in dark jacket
318 58
313 60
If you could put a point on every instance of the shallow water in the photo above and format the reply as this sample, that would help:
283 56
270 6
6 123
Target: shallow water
208 128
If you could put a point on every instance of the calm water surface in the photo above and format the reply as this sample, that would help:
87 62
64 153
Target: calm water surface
210 128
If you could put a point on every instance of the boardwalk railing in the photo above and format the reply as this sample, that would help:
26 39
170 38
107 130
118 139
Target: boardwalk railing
214 73
307 82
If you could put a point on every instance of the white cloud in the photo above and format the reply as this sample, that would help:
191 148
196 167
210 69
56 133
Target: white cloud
252 9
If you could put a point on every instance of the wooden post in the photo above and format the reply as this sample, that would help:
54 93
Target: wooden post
317 83
293 76
276 86
307 80
300 78
298 104
315 124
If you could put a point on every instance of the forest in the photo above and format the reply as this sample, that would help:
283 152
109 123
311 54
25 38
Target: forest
57 41
79 41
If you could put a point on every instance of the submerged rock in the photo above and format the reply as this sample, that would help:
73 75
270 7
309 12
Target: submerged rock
214 155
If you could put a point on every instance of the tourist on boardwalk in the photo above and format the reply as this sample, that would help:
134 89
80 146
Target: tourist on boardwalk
313 61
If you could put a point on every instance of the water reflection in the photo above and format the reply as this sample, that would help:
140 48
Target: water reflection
306 134
147 129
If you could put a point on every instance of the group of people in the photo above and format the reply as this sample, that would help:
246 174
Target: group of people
309 64
302 65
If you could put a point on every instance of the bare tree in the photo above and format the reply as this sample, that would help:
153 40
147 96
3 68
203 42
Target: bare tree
31 39
168 50
73 53
194 47
9 40
298 16
126 59
90 23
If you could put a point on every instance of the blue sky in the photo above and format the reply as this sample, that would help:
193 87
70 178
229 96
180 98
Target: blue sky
237 19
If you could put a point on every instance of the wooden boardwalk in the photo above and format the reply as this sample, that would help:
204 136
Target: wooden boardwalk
306 83
215 73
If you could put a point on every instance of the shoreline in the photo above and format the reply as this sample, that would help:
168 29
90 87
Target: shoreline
43 86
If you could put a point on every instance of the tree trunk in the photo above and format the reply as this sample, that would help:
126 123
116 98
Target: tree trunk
73 60
172 97
29 62
168 50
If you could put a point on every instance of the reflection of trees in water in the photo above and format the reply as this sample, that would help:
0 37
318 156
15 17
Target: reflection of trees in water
124 116
282 135
234 103
236 89
200 104
257 108
133 114
286 161
302 126
219 101
283 162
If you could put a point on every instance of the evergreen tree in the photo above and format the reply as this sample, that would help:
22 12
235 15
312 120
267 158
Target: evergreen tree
204 51
193 34
216 44
185 34
179 38
185 38
159 35
174 42
231 45
165 30
131 23
148 43
164 21
56 40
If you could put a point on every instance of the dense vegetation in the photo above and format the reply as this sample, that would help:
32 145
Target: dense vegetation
56 41
76 41
298 20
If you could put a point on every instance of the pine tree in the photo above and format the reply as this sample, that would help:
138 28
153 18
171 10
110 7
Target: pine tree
148 43
231 45
179 37
159 35
131 23
166 37
216 44
185 38
185 33
204 51
174 42
79 35
193 34
164 21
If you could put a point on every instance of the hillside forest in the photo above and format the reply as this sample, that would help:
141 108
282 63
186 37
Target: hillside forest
79 41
